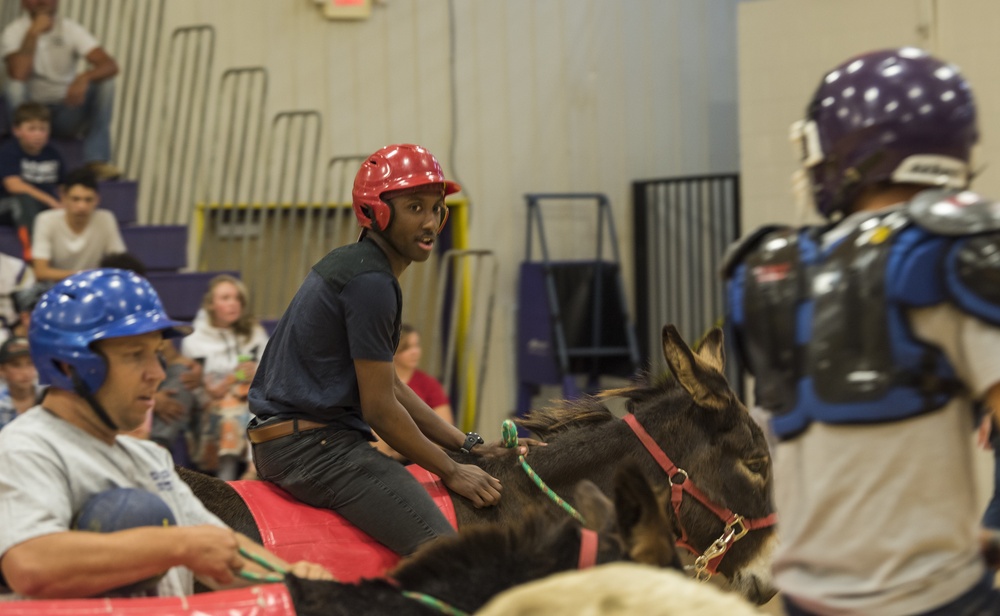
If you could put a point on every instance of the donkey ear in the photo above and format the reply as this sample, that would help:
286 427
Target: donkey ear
596 508
699 377
712 350
644 524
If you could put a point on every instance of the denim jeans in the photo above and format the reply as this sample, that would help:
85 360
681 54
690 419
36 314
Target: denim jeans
92 118
340 470
981 600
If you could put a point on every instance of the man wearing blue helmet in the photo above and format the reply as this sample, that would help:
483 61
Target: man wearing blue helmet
871 339
94 339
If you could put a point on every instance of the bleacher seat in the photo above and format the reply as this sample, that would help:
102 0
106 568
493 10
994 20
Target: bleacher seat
9 244
269 325
181 292
120 197
159 247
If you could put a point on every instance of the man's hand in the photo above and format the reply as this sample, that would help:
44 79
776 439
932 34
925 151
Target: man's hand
166 406
474 484
310 571
211 552
497 449
77 91
41 23
989 546
192 377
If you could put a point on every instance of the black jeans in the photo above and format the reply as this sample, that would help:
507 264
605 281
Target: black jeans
340 470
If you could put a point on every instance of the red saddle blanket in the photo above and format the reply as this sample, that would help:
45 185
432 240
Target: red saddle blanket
296 531
263 600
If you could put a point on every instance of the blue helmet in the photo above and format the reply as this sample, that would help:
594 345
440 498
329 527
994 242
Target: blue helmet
86 307
896 115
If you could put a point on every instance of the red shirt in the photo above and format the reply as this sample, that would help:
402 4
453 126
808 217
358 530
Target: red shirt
428 389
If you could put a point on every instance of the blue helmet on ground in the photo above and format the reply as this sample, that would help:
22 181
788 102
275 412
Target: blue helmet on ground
896 115
84 308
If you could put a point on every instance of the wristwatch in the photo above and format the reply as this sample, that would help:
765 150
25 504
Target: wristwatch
471 440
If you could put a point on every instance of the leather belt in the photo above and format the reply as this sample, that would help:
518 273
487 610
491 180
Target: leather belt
270 432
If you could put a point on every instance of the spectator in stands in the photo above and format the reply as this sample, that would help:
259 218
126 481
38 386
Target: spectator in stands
427 388
15 277
94 339
30 172
125 261
175 407
19 390
228 341
42 52
24 302
76 237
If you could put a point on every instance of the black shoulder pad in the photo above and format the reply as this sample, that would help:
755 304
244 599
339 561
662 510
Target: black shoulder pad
745 245
954 212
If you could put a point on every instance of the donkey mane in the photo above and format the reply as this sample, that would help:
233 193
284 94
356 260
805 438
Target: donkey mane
590 410
498 556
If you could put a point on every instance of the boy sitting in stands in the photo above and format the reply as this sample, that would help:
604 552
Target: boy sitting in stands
76 237
30 171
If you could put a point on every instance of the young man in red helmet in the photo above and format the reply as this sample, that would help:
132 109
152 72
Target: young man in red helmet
326 378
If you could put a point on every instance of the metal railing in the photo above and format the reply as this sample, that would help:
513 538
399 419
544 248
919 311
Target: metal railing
682 229
463 315
184 94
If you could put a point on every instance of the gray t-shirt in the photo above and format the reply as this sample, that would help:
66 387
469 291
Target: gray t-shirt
51 467
54 241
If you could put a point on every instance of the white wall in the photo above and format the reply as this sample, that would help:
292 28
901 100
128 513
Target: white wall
552 95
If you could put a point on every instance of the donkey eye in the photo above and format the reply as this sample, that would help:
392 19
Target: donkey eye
757 465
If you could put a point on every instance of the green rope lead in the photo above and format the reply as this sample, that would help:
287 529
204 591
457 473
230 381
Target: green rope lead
509 434
256 577
435 603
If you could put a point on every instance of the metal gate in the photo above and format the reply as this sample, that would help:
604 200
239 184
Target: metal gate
682 229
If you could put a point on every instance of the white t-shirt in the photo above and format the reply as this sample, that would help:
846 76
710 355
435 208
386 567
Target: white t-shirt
57 55
64 249
51 468
220 348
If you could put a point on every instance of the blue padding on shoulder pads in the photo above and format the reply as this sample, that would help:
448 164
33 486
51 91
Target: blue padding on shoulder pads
972 276
734 295
913 272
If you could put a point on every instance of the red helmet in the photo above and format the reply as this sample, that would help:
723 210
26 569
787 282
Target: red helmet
394 167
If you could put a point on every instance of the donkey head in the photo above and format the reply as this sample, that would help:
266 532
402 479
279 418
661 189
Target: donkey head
707 432
466 570
637 520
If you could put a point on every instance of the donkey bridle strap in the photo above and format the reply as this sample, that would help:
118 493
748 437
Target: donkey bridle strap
588 549
681 483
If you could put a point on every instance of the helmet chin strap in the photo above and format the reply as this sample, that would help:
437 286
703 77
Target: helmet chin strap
82 390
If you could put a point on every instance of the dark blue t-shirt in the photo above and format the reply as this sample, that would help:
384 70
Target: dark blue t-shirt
348 308
44 171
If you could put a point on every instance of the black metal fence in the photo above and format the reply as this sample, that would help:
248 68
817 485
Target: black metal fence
682 229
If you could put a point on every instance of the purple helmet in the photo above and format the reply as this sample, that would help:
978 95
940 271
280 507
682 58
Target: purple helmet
897 115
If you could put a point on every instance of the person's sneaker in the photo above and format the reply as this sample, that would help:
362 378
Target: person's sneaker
103 171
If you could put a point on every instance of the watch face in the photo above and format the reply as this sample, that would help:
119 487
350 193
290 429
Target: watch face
471 440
